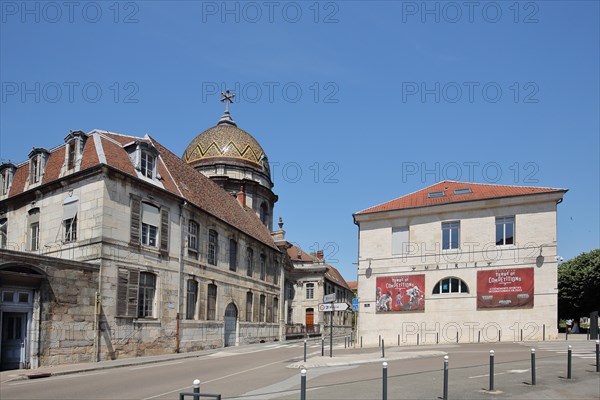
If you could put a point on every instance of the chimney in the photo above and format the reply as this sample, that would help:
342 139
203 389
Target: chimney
320 255
241 196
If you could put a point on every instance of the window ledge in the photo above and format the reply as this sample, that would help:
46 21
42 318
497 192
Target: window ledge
147 321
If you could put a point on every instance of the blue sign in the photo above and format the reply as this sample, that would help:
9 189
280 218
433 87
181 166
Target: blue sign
355 301
354 307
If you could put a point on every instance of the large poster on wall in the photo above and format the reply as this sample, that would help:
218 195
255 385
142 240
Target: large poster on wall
500 288
400 293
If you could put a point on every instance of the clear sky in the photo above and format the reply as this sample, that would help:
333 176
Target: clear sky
355 102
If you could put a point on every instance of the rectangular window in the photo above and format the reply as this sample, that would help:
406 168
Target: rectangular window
212 247
71 154
3 233
275 309
249 261
232 255
193 236
192 295
450 235
34 231
263 267
249 307
150 224
35 169
146 293
6 178
289 291
310 291
211 304
400 240
70 226
147 164
505 231
262 305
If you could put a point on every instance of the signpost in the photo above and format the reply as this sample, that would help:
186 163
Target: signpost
323 307
330 298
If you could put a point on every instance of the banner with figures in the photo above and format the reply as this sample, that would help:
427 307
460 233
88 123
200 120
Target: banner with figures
400 293
500 288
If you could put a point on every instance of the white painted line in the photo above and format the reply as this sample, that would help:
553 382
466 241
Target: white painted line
214 380
55 378
486 375
155 365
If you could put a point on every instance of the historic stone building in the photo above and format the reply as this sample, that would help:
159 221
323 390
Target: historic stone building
459 262
112 246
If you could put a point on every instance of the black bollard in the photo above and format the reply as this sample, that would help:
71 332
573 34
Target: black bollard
456 336
597 355
345 342
491 370
322 347
417 339
479 337
499 335
361 342
398 339
544 332
379 340
533 366
521 335
303 384
569 357
196 386
437 338
445 397
304 350
382 348
384 395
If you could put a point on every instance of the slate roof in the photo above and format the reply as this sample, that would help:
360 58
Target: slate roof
178 178
478 191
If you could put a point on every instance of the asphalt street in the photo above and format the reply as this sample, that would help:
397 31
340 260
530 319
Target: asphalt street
272 371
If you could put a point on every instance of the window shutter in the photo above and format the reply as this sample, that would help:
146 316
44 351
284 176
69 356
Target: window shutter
164 230
122 281
136 206
132 293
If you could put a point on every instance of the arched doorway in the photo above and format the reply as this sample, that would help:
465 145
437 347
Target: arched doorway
230 324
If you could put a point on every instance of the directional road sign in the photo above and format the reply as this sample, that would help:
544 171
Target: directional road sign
329 298
336 307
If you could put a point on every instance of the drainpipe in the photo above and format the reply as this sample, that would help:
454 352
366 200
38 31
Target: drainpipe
180 289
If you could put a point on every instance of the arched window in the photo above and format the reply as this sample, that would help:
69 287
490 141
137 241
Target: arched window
450 285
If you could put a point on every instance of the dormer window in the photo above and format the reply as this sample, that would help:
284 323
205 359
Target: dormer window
148 164
75 141
37 163
145 159
7 172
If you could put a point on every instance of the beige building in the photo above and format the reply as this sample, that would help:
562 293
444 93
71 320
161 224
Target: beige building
112 246
459 262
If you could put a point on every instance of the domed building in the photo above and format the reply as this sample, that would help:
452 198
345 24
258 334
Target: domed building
233 159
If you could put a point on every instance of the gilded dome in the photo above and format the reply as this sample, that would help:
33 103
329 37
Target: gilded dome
226 143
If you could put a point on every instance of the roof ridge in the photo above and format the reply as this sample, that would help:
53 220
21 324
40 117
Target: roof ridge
397 198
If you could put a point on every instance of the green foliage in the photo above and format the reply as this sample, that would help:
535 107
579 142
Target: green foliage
579 285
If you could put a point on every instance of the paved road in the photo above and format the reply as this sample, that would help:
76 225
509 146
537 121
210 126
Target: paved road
270 371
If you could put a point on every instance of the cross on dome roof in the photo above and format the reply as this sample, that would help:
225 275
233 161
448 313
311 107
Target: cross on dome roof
227 98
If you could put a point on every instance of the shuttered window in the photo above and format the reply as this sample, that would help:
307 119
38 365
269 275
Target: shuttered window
249 306
127 292
136 215
164 230
147 221
211 304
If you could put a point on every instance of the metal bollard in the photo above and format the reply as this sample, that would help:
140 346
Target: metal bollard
569 357
544 332
345 342
491 370
499 335
417 339
384 395
533 366
445 396
303 384
196 384
597 355
322 347
521 335
382 348
361 342
456 336
398 339
479 337
379 340
304 350
437 338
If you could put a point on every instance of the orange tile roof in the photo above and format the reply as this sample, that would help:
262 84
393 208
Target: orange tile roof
332 273
295 251
353 285
479 191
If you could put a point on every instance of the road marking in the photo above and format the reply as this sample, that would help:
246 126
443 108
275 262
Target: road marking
156 365
486 375
55 378
214 380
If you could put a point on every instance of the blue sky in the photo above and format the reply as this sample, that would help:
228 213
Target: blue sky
354 102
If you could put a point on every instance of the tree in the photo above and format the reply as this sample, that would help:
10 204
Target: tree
579 285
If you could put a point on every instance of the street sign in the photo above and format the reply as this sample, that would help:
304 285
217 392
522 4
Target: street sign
355 307
355 301
327 307
329 298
